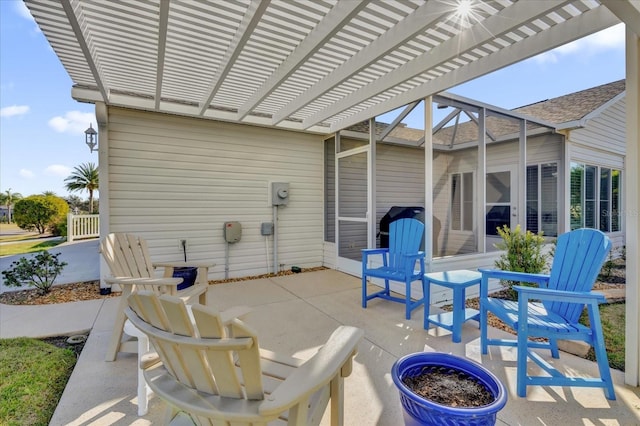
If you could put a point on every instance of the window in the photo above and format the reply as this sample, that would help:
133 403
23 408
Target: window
542 199
595 197
462 201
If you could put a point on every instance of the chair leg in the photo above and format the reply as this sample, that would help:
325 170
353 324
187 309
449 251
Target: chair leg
364 291
116 334
553 345
484 346
407 313
523 354
601 352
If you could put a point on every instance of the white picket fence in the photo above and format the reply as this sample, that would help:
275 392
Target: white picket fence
82 226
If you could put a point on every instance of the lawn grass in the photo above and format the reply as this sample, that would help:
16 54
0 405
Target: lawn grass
613 327
21 237
34 374
28 247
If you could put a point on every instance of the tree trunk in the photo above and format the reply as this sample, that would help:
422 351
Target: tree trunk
91 201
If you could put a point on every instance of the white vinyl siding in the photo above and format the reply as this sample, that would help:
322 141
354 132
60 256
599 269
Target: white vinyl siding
173 178
606 132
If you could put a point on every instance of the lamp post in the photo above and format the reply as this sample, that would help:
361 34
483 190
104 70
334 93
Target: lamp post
91 137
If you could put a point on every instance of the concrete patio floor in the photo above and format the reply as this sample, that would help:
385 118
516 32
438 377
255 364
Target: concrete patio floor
295 314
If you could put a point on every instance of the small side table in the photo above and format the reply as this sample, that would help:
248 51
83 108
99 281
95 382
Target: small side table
458 281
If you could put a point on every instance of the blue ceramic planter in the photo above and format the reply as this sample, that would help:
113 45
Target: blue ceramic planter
420 411
188 275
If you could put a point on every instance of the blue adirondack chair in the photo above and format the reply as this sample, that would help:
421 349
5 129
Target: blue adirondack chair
563 295
398 263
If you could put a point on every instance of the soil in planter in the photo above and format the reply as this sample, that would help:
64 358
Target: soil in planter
449 387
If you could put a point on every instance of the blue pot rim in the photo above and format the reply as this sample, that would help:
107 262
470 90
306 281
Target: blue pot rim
490 380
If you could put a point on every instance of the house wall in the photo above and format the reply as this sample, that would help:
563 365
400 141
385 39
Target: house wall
173 178
605 132
540 149
602 142
400 182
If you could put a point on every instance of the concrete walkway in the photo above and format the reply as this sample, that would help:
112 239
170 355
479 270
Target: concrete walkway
294 315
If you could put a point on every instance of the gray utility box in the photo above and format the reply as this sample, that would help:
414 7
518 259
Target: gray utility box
266 228
279 193
232 232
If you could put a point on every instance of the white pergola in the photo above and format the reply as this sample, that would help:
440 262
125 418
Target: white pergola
325 65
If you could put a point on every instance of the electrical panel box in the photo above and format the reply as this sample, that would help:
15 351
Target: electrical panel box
232 232
279 193
266 228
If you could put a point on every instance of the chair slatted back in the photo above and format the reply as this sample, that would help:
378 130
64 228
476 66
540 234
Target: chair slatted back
578 258
405 236
197 351
127 256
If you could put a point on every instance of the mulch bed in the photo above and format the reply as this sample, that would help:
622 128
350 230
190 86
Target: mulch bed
62 293
90 290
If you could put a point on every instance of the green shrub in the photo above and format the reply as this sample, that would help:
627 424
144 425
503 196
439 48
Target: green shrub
39 271
59 229
523 253
40 212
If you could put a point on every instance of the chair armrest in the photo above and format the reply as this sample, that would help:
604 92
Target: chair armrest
542 279
183 264
316 372
375 251
526 293
144 281
369 252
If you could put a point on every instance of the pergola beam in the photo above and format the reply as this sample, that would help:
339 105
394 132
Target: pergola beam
82 43
413 24
627 11
587 23
245 29
508 19
162 47
333 22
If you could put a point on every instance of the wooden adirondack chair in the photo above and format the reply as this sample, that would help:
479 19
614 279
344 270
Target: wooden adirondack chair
398 263
219 375
130 264
564 294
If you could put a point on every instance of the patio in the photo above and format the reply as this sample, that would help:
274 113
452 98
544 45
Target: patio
103 393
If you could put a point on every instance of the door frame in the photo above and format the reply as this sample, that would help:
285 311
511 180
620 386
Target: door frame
514 213
352 266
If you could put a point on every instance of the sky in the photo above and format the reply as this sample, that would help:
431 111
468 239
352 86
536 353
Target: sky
42 127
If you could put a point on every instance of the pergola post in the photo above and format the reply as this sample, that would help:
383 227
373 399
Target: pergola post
428 182
631 211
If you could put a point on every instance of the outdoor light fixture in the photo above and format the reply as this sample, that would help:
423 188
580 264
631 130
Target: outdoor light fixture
91 137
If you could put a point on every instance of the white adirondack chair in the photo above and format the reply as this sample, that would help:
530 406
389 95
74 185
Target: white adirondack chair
131 268
215 374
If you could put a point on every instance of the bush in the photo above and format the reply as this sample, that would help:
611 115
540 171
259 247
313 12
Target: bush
523 253
40 212
39 271
59 229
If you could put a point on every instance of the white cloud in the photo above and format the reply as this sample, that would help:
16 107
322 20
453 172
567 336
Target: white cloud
57 170
27 174
13 110
610 38
74 122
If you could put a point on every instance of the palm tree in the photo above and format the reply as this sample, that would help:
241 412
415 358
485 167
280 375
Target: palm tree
9 198
84 177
